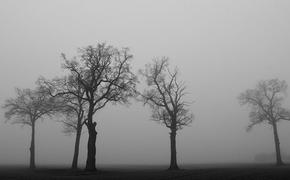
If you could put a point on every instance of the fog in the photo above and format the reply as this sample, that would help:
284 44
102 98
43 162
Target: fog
220 47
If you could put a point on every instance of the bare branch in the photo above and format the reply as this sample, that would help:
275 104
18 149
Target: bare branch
265 102
104 74
165 95
29 105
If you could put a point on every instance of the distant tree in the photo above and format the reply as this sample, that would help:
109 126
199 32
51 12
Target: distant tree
165 95
104 73
266 106
29 106
73 107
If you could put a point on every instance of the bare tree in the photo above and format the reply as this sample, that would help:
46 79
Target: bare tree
266 106
73 107
105 75
165 95
27 108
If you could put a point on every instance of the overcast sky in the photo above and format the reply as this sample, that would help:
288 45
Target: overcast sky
221 48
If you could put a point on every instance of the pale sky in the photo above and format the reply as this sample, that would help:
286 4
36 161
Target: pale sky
221 48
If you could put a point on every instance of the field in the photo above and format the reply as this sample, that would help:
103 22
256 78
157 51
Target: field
202 172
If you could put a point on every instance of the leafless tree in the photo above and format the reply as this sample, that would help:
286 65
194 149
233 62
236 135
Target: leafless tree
165 95
29 106
266 106
104 73
73 107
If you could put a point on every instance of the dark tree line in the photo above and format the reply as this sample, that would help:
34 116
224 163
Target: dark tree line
102 74
99 75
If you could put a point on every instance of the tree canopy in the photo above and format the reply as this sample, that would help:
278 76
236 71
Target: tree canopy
266 102
29 105
165 95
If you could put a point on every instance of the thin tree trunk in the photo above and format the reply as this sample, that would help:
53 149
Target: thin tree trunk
32 147
173 159
279 161
76 150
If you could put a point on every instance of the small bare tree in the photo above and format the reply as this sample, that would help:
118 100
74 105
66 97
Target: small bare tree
29 106
266 106
73 107
165 95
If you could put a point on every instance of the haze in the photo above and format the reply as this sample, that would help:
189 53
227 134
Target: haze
221 48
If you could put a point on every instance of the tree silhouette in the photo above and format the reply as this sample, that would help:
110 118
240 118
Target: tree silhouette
266 106
165 95
105 75
29 106
73 107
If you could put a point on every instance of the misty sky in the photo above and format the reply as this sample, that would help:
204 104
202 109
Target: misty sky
221 48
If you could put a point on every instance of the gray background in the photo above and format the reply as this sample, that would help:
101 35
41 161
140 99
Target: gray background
221 48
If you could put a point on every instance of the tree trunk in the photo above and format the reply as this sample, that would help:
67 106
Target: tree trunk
32 147
91 153
77 145
279 161
173 160
91 156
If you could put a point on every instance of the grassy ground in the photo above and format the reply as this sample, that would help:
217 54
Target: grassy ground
226 172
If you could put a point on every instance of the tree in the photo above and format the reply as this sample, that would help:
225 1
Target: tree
26 109
73 107
165 95
104 73
266 106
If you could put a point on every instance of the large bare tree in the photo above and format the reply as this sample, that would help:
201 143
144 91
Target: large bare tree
265 101
165 95
105 74
29 106
73 107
